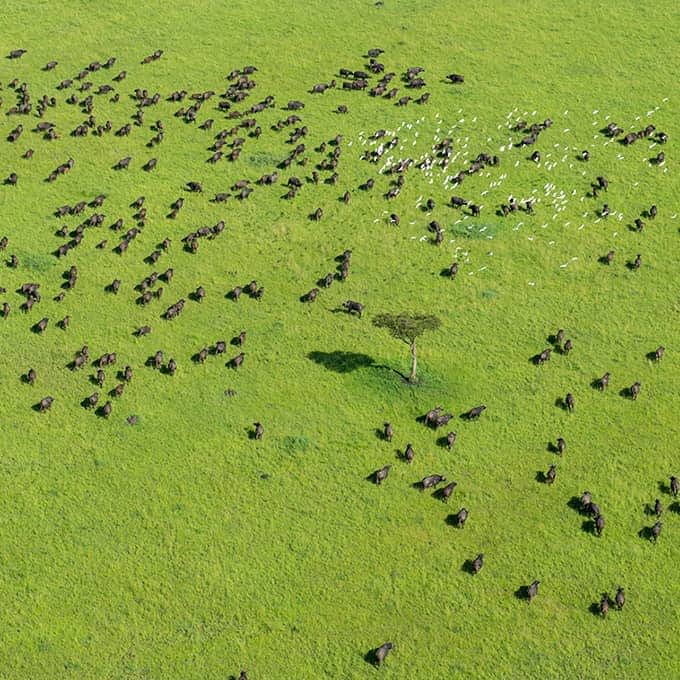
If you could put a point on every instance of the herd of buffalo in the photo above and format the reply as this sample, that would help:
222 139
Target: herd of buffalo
234 113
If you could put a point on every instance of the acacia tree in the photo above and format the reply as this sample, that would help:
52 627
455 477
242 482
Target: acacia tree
408 328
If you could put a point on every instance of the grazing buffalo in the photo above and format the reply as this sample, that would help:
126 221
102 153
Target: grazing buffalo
561 445
172 367
45 404
569 401
450 440
461 518
675 486
637 262
551 474
586 500
106 409
603 382
599 524
568 346
237 361
474 413
639 224
543 356
409 453
353 306
259 430
442 420
658 508
143 330
431 416
453 270
604 605
41 325
478 563
652 212
609 257
30 376
431 481
311 295
658 353
656 531
532 590
381 653
92 400
388 432
635 390
620 598
381 475
447 491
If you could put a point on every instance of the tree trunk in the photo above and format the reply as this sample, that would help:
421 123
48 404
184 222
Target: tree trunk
414 362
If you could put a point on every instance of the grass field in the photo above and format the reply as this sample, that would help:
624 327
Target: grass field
179 547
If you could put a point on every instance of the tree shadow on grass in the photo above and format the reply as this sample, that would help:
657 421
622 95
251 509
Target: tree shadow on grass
341 361
346 362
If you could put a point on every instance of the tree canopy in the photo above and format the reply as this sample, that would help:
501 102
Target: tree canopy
407 327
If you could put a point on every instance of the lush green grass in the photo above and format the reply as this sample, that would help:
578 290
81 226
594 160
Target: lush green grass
180 548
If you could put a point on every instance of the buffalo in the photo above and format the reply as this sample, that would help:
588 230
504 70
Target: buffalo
381 653
388 432
447 491
461 517
431 481
478 563
551 474
237 361
658 507
603 382
620 598
475 413
604 605
543 356
381 475
353 307
45 404
532 590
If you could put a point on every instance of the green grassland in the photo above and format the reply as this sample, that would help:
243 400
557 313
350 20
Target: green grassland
178 547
